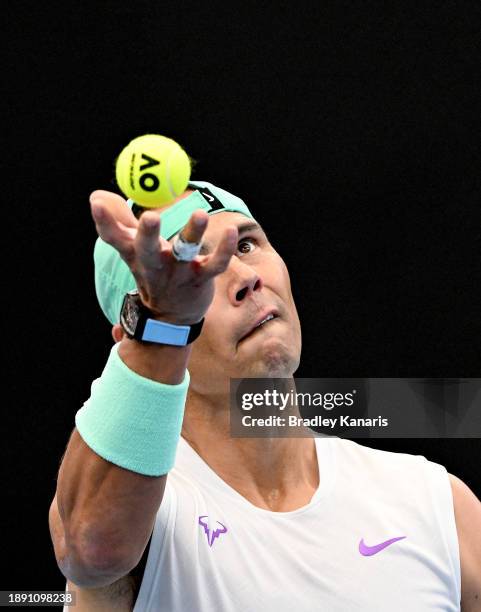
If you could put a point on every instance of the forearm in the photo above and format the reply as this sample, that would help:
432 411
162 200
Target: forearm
108 511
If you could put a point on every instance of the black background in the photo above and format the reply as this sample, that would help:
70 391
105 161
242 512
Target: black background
352 131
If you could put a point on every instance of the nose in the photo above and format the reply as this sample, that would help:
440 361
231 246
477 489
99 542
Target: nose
244 281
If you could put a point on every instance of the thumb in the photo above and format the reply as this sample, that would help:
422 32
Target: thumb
116 205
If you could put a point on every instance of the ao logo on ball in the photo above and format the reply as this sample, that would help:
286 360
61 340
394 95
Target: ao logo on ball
152 170
148 181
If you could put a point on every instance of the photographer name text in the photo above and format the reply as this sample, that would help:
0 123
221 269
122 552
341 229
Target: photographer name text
316 421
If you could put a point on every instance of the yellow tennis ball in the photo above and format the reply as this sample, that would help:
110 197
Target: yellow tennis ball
153 170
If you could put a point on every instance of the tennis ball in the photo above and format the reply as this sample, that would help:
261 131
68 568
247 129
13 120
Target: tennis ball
152 170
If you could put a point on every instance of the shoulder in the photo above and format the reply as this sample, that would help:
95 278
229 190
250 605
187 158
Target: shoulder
467 511
377 462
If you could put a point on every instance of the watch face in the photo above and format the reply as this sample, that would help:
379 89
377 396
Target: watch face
130 315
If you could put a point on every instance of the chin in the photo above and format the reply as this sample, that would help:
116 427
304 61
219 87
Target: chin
276 360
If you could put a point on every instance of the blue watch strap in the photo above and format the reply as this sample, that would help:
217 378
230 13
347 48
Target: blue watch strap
138 323
165 333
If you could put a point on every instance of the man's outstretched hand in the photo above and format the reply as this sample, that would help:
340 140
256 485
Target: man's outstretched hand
177 292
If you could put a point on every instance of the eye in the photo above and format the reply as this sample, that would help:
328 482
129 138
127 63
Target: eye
246 245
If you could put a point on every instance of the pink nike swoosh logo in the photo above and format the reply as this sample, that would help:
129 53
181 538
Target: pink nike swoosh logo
367 551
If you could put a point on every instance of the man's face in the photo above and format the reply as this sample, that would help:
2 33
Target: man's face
254 286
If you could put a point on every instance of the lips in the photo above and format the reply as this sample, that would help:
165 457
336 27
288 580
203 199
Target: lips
262 319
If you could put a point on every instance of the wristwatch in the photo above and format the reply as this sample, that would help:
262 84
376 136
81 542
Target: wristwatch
139 323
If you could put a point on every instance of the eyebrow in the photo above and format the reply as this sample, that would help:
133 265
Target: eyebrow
242 228
249 227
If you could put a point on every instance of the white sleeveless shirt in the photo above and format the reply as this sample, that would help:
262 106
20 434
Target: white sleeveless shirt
213 551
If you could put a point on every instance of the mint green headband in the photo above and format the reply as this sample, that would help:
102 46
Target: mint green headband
113 278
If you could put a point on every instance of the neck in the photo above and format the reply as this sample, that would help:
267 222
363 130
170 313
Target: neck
275 473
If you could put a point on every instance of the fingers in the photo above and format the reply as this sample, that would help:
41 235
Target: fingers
115 205
195 228
148 243
219 260
107 208
140 239
112 232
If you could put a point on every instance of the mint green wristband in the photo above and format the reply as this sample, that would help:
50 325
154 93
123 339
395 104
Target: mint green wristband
133 421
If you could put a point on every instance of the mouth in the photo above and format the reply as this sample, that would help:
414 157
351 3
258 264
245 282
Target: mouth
260 323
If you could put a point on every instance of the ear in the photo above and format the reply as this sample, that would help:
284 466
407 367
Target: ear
117 332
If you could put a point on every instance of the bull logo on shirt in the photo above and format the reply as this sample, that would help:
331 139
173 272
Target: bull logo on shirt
211 534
